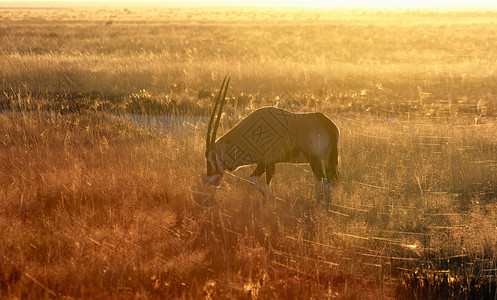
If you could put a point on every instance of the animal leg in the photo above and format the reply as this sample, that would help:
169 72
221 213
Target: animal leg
317 167
323 190
323 186
269 172
269 175
332 167
259 170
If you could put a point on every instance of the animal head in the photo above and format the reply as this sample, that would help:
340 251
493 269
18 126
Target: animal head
215 166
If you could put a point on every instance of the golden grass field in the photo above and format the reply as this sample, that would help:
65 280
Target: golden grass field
102 136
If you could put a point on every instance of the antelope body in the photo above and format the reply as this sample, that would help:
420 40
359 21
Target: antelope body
271 135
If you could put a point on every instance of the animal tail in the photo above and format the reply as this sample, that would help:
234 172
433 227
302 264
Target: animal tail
332 167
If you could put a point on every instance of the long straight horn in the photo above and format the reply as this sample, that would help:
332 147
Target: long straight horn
214 131
208 139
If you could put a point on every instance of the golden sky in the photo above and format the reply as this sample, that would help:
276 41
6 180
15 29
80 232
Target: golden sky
293 3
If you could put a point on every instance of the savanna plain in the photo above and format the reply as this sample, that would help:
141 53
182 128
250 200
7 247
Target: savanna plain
102 138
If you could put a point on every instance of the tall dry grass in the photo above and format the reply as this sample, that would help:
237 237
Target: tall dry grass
326 52
95 205
99 202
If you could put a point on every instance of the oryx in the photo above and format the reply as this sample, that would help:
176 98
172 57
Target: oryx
271 135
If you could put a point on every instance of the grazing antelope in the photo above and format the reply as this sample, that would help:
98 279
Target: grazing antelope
268 136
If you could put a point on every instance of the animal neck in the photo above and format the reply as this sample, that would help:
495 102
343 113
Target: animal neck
216 162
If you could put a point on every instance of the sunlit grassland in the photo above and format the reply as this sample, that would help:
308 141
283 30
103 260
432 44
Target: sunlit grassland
118 52
94 204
